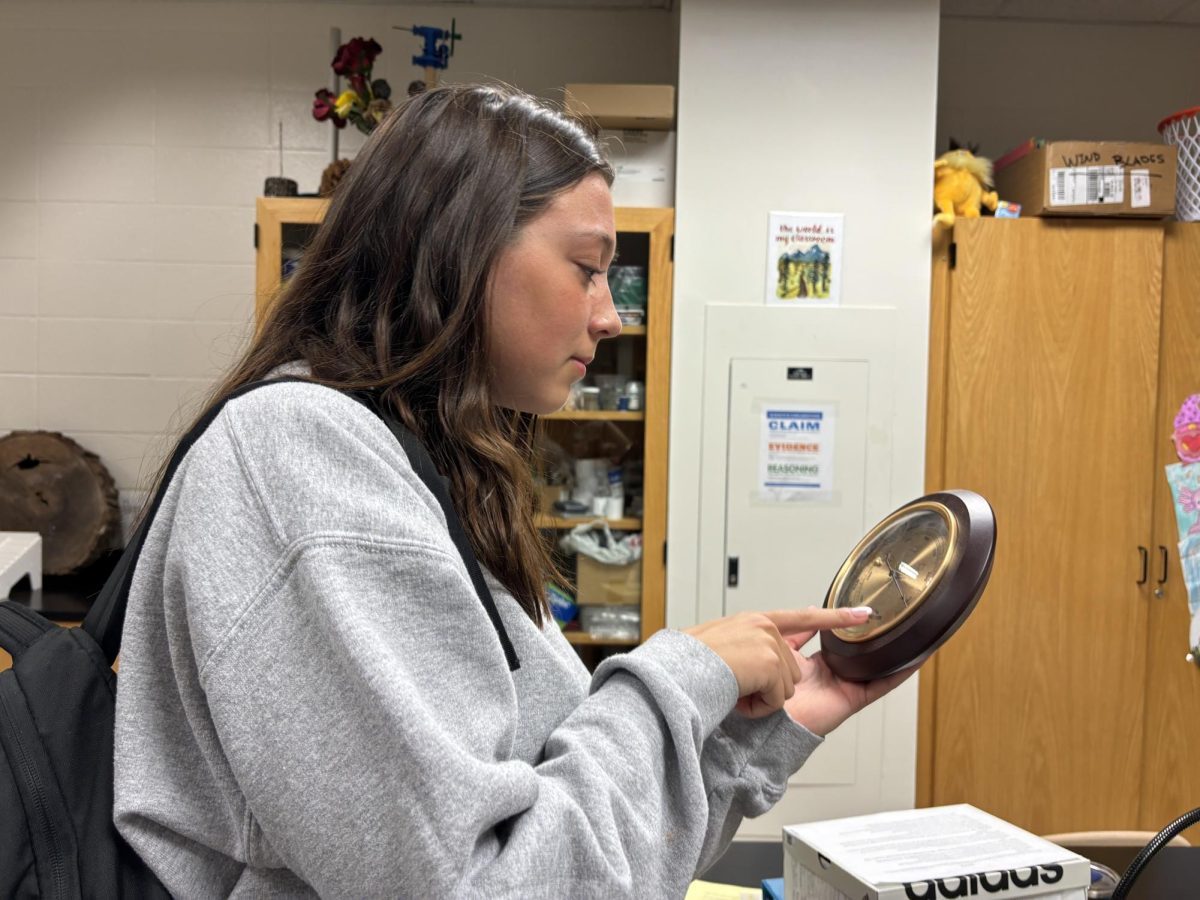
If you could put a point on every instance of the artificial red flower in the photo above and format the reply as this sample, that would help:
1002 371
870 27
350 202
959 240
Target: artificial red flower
325 107
356 57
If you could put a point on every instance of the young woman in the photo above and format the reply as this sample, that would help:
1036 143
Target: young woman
314 700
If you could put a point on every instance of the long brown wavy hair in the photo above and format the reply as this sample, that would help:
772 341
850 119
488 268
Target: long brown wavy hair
391 295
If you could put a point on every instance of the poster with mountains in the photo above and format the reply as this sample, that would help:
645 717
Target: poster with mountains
804 259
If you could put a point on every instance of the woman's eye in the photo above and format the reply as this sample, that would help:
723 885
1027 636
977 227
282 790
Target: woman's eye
589 272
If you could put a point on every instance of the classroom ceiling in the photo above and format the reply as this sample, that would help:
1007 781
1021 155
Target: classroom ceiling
1105 11
1185 12
495 4
1113 12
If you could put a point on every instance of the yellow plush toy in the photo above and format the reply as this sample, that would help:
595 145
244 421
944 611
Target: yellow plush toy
962 182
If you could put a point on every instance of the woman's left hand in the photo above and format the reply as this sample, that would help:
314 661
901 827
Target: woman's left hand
822 700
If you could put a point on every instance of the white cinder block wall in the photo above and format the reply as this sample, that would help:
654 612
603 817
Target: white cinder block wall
137 138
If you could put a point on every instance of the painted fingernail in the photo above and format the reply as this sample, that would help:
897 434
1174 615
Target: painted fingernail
861 610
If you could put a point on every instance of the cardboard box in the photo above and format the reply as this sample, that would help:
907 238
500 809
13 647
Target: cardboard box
600 583
644 162
927 854
643 106
1089 178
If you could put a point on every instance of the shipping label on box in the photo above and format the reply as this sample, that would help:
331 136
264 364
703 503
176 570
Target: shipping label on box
1090 178
927 854
1086 185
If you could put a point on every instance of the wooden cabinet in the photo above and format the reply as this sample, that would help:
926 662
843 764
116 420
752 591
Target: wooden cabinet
644 237
1171 736
1060 351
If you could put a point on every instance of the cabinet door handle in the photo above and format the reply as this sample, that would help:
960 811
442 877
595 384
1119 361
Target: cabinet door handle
1145 554
1163 550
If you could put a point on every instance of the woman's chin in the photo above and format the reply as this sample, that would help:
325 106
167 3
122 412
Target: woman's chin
550 407
538 406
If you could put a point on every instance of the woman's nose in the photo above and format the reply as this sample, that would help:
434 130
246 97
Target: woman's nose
606 323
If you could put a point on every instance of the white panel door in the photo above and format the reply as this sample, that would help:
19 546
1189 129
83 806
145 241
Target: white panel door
789 542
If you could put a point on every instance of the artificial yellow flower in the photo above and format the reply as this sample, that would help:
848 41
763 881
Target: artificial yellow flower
346 102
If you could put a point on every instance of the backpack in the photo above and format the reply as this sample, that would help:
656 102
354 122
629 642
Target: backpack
58 710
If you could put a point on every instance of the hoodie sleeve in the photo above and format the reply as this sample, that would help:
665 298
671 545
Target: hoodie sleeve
747 764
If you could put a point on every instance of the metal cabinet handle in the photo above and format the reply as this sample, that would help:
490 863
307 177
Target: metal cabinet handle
1145 554
1163 578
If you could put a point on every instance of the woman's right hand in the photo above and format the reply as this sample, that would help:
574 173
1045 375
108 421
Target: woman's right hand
754 646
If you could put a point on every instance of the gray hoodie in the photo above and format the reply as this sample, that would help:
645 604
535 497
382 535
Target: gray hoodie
313 700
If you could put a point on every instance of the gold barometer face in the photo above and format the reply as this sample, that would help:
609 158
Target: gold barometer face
921 571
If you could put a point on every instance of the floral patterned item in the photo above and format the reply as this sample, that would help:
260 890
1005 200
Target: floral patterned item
1187 430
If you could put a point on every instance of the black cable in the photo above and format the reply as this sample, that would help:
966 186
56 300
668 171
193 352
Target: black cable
1144 856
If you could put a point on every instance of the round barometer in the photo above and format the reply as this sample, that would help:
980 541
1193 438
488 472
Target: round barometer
921 571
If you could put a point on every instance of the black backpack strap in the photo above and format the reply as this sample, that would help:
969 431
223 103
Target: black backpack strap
439 486
20 627
106 617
